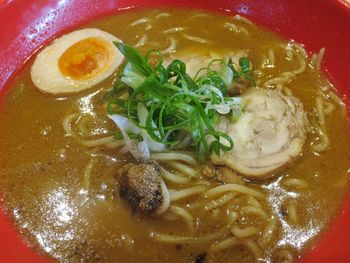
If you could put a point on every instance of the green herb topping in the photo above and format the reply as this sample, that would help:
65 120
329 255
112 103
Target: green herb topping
171 106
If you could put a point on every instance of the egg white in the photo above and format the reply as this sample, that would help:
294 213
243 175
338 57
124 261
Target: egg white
47 76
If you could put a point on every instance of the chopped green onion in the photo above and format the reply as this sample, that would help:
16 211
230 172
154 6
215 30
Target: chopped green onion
167 103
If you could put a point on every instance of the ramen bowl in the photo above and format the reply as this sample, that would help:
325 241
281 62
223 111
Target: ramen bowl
28 27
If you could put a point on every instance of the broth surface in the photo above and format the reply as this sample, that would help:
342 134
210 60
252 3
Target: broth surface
43 171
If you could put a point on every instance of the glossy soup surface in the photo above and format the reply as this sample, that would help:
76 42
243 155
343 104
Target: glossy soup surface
43 170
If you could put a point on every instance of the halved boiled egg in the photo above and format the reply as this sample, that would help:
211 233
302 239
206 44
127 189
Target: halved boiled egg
76 61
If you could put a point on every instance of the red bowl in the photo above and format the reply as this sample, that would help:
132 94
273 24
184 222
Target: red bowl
315 23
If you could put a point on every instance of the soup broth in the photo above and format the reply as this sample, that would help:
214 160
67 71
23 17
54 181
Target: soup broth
59 184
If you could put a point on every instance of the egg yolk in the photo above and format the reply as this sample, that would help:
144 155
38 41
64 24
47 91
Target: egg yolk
86 59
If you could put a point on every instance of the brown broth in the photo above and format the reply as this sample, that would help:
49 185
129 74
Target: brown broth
42 169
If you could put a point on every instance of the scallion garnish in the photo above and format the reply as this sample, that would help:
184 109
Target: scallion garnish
170 105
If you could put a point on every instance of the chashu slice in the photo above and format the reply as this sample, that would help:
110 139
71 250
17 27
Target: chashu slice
196 60
268 136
